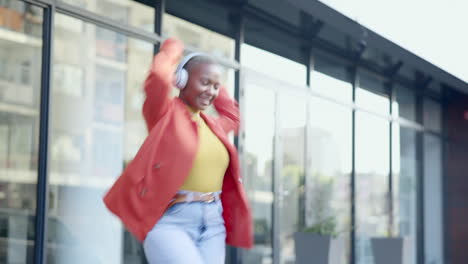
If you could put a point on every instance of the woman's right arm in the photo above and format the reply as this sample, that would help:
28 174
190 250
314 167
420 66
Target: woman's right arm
159 82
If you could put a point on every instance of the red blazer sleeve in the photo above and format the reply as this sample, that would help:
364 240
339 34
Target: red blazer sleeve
159 82
228 110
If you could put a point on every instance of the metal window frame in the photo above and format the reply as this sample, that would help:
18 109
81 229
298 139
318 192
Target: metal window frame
40 239
355 84
420 180
391 222
445 188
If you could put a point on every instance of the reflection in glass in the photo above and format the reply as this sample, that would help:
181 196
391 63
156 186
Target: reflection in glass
372 171
273 65
372 94
331 78
404 166
258 168
331 87
433 200
291 198
96 128
20 78
198 37
328 190
124 12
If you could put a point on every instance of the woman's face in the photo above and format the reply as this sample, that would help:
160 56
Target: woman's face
203 86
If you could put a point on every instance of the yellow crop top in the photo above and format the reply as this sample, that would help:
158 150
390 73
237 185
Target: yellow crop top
211 161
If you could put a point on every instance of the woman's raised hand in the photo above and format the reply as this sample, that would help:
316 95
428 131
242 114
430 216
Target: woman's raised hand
166 60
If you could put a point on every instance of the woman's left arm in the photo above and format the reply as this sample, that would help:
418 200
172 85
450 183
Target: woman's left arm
228 110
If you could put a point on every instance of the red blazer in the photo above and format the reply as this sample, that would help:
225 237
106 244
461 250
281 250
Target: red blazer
143 191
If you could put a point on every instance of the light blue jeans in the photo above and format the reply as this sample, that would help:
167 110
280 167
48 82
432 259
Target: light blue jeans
191 232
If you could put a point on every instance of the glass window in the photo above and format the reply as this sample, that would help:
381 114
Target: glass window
258 167
291 198
433 200
20 85
96 129
328 190
372 172
331 78
128 12
404 168
198 37
372 94
273 65
405 103
432 115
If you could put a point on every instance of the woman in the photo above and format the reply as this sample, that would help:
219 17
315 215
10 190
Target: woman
182 195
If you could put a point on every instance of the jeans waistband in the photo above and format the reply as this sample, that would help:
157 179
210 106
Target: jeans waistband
190 194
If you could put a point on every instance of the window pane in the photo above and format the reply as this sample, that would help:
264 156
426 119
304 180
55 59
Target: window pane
126 12
432 115
331 78
433 200
291 198
372 94
404 168
328 190
405 103
96 129
198 37
273 65
20 79
372 170
258 168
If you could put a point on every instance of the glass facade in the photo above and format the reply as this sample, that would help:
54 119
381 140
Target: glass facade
122 11
20 78
96 129
404 186
404 104
347 148
258 165
433 216
328 185
291 193
372 179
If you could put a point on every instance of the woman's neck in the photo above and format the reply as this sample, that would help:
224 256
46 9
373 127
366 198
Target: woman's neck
193 110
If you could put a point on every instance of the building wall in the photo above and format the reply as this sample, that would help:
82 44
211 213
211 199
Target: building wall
456 177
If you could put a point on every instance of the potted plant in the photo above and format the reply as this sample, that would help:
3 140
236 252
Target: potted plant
319 243
391 249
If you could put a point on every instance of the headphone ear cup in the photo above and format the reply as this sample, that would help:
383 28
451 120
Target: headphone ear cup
181 79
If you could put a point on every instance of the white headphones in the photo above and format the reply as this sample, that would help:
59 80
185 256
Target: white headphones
181 74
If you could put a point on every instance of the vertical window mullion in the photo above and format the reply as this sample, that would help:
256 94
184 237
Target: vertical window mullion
40 244
355 84
160 8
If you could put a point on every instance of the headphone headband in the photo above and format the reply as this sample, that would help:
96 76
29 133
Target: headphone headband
181 74
187 58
